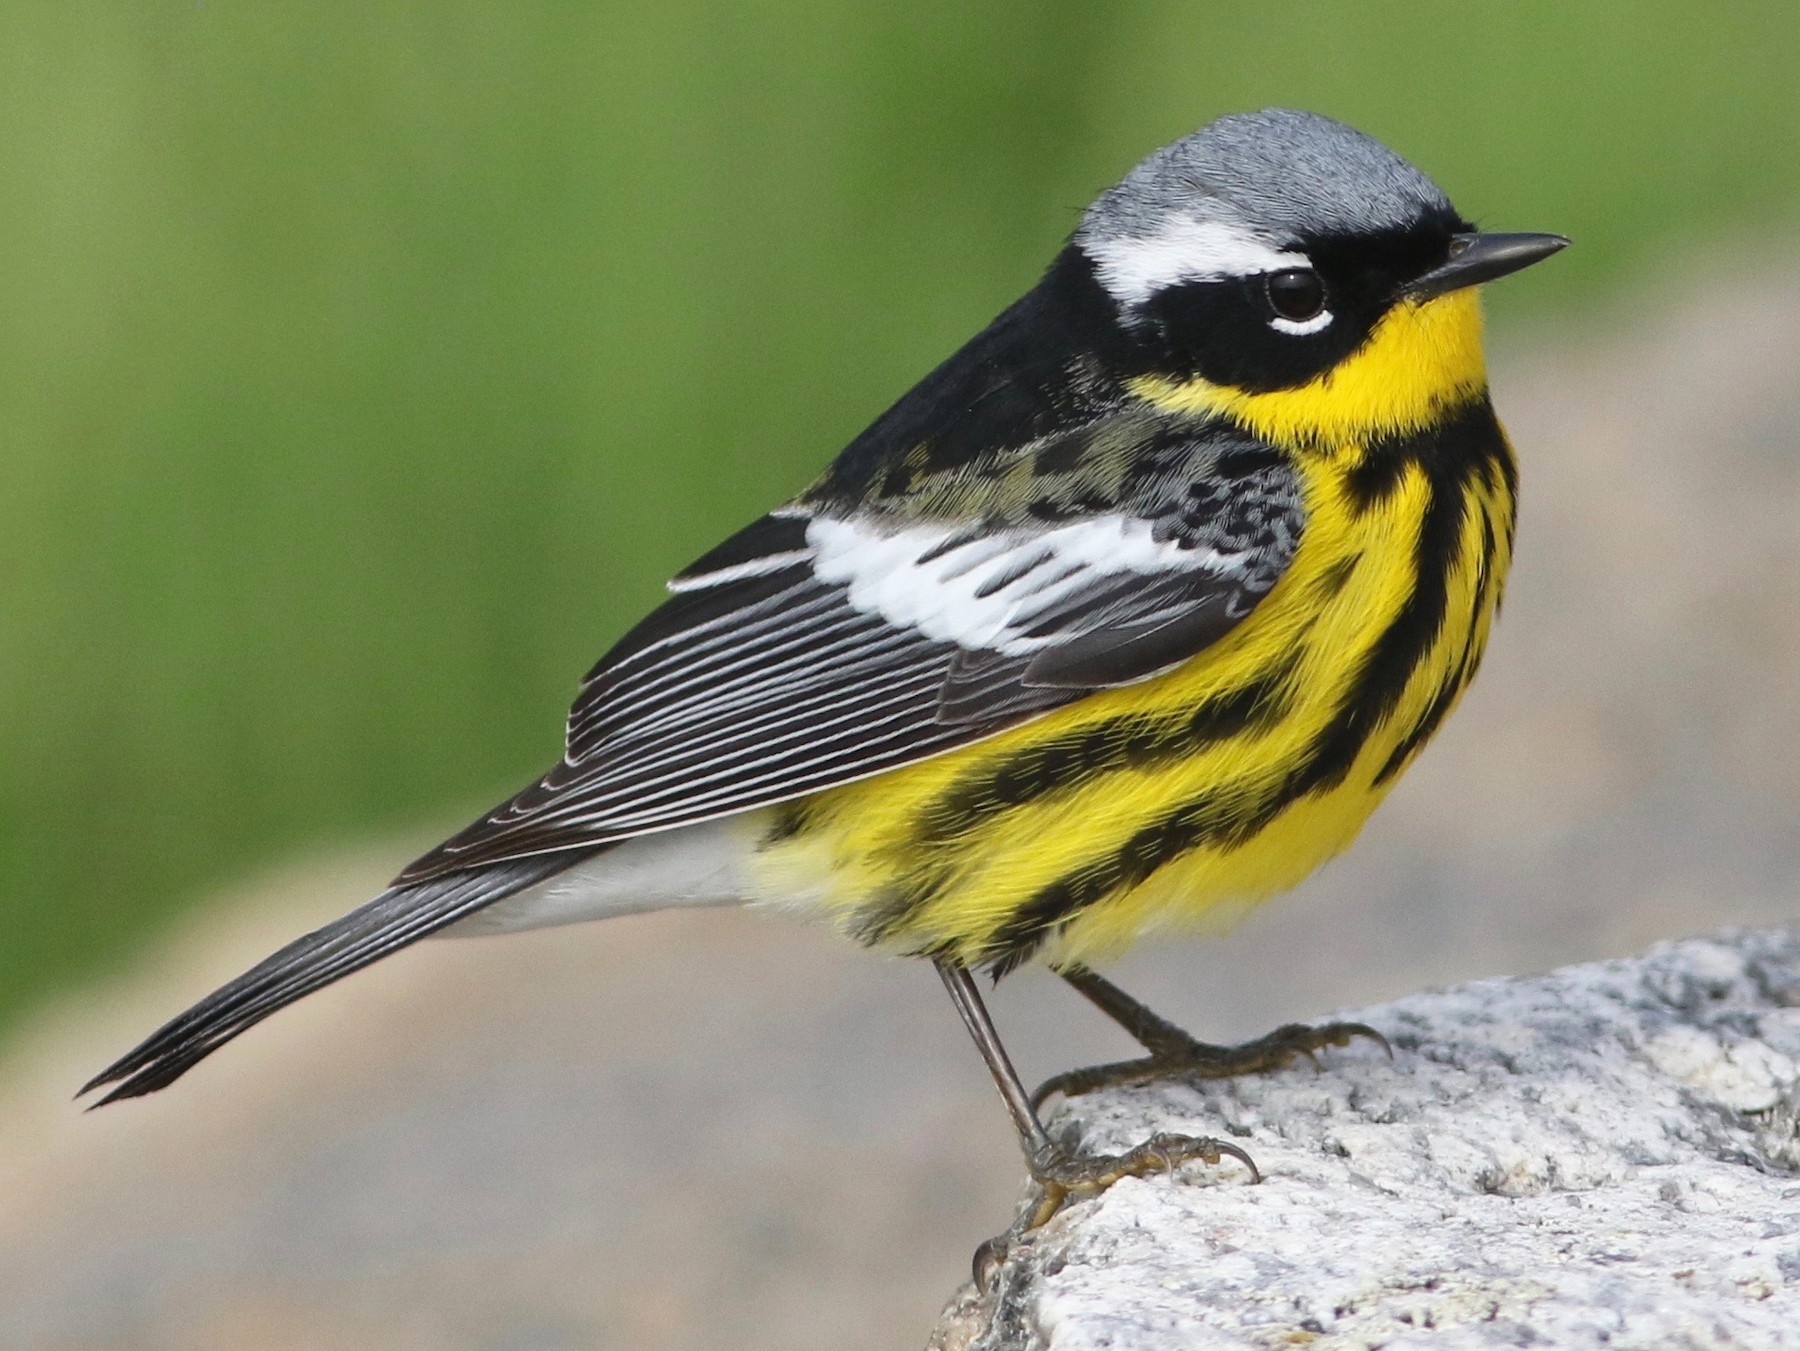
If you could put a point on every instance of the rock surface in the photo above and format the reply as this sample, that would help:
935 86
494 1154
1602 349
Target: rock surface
1605 1156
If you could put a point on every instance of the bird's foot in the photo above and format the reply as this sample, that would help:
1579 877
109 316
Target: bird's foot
1061 1177
1178 1055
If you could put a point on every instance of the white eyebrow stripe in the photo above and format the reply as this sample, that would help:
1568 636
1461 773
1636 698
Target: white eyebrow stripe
1135 267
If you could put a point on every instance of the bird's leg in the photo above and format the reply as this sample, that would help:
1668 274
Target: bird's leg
1060 1175
1174 1052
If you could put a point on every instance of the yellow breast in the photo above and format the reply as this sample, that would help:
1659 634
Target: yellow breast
1184 798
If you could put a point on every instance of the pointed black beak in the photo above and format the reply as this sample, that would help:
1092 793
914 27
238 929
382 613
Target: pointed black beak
1476 258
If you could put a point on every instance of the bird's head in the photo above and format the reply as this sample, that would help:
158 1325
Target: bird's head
1289 271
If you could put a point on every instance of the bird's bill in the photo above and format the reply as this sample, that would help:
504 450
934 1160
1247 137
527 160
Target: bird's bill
1475 258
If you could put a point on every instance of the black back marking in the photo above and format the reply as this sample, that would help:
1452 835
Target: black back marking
1036 370
1122 743
1456 680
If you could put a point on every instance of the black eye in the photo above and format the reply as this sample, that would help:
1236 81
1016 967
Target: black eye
1295 293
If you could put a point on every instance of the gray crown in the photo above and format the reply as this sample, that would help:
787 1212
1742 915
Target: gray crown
1289 174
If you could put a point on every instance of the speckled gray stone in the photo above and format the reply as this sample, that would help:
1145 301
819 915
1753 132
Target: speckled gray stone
1605 1156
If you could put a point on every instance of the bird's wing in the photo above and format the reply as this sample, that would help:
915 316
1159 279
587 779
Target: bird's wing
823 645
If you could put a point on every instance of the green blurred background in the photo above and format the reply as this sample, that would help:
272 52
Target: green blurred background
364 369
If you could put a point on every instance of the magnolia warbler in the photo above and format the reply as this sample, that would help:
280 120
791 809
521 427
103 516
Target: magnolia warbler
1127 615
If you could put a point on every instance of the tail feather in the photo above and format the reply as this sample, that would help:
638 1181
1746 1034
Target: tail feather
399 916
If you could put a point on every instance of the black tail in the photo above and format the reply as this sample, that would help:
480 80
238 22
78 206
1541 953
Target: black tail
397 917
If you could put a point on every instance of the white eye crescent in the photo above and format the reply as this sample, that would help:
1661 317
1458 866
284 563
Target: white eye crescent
1301 327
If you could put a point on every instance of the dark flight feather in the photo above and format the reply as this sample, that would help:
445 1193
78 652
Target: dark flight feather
398 917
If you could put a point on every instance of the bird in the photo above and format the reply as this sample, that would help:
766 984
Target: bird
1124 618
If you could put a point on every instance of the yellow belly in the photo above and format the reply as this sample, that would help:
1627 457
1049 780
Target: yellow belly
1069 837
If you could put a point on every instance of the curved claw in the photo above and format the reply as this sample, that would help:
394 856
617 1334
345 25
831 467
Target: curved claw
1226 1147
1351 1031
988 1259
1173 1150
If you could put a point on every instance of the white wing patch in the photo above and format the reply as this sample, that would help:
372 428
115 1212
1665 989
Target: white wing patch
984 592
